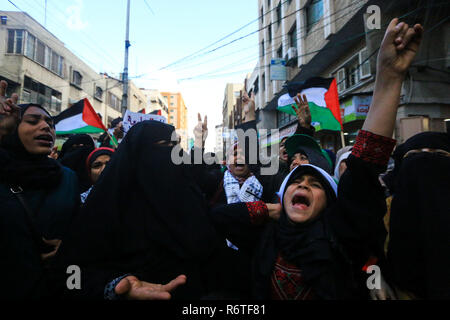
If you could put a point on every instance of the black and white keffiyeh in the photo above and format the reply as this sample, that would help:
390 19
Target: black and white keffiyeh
251 190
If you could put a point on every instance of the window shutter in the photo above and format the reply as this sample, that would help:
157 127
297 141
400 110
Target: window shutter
364 66
341 80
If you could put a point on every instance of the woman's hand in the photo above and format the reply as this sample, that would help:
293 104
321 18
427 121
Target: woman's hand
201 132
56 243
248 107
302 111
398 49
274 210
134 289
9 111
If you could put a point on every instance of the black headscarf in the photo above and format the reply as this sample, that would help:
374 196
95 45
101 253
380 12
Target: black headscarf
19 168
429 139
75 157
420 217
311 246
144 210
115 122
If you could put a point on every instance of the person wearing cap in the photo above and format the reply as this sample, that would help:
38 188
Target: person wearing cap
303 149
323 238
95 164
304 127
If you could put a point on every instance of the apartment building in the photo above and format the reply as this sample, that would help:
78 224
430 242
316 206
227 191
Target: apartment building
40 69
177 115
330 38
156 102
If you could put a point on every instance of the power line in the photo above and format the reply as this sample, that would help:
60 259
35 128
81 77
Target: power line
227 36
57 42
298 36
335 45
205 53
103 53
148 6
100 53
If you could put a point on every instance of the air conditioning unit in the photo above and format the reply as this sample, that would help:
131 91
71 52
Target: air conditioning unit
291 55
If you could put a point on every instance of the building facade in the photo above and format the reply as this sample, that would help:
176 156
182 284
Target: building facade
177 115
330 38
156 102
40 69
218 147
230 112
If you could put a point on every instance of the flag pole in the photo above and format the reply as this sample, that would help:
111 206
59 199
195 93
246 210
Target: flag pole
342 138
110 137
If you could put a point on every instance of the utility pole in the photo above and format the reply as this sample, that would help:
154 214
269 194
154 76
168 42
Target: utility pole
125 68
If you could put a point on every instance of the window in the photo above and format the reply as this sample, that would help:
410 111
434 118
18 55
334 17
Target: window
15 41
31 41
48 57
36 92
364 61
76 76
279 13
263 82
98 93
284 118
256 86
56 101
313 13
353 71
40 53
280 52
262 49
268 3
270 32
293 36
61 66
262 16
3 19
172 104
113 101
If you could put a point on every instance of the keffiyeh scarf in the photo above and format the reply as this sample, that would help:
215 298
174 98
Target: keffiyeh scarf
251 190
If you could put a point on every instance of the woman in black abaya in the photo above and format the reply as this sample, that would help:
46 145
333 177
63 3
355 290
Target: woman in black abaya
38 198
74 153
144 217
418 250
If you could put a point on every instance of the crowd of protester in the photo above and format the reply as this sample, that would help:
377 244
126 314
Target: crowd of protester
140 227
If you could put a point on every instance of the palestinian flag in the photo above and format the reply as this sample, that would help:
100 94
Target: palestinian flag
323 102
79 118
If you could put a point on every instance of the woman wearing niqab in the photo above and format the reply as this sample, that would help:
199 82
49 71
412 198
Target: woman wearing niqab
74 153
146 217
419 235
